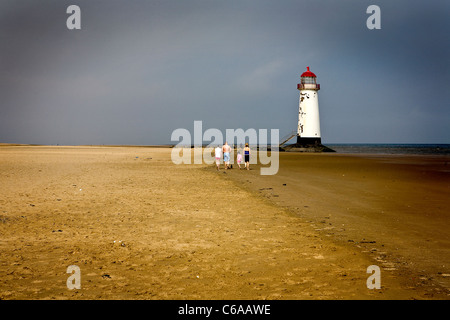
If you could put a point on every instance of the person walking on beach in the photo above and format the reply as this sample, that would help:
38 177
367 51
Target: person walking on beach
217 155
239 159
247 156
226 154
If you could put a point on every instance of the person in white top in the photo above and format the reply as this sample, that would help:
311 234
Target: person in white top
218 156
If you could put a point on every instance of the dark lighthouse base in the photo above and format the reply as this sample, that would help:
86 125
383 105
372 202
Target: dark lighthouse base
307 145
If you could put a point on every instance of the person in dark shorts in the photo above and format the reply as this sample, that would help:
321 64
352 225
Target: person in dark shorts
247 156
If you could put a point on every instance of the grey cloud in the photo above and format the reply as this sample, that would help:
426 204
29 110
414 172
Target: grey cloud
139 69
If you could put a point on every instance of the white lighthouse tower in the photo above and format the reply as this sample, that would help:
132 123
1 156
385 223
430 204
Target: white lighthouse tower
308 130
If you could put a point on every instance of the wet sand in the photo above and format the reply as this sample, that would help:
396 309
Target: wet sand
140 227
393 207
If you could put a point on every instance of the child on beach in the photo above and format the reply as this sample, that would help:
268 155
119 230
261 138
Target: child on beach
239 159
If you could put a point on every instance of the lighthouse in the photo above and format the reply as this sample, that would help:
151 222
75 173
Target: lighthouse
308 129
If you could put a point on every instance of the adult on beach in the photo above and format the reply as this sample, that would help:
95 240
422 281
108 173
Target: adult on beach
247 156
226 154
217 155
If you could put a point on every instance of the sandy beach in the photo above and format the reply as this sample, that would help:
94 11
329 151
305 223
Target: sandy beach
140 227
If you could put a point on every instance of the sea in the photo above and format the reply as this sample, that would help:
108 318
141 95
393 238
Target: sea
407 149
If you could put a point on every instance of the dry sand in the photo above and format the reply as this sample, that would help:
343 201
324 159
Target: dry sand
140 227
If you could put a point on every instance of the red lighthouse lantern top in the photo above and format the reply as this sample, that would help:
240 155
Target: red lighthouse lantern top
308 81
308 74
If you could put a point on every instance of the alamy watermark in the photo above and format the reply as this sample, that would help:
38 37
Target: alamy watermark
374 20
74 280
258 140
374 280
73 22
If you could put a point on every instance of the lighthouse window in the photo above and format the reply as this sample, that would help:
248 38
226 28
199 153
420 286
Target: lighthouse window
308 80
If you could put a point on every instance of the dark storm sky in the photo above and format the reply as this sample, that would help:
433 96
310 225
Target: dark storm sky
137 70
